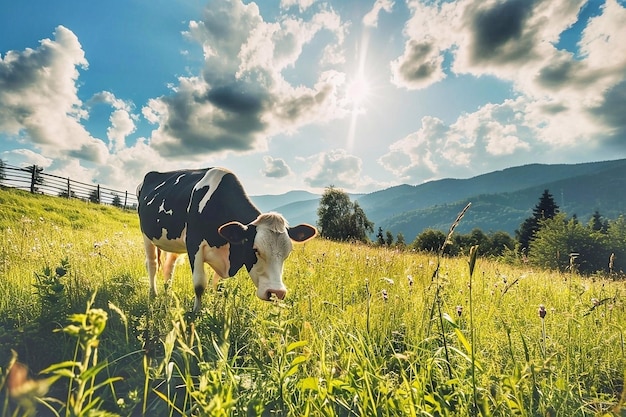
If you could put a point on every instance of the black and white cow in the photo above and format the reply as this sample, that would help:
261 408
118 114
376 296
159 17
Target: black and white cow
207 214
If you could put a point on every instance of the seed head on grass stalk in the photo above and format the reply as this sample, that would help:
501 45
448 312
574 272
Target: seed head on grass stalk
448 239
542 314
437 300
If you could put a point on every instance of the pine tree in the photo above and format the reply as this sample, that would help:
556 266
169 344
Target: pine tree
545 209
380 238
598 224
388 238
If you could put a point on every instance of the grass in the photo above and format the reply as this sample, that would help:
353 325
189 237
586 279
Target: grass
363 330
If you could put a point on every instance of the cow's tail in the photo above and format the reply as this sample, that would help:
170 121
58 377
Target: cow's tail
159 256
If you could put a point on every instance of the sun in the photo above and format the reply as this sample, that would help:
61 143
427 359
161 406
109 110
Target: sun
357 92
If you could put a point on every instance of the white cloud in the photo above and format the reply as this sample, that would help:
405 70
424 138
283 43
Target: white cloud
302 4
275 167
564 101
338 168
39 98
371 17
412 158
242 98
122 125
26 157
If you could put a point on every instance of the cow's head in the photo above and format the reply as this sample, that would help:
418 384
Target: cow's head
271 239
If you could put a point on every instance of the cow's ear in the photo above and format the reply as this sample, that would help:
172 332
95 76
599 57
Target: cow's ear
234 232
302 232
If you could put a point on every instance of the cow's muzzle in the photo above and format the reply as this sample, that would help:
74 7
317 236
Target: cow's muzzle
278 294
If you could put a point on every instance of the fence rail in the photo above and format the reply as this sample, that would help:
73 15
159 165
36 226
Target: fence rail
36 181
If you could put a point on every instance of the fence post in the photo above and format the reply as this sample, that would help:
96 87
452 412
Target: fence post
68 188
98 194
33 176
125 199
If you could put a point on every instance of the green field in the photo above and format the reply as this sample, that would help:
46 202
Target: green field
364 331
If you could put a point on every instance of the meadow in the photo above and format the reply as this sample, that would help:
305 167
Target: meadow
363 331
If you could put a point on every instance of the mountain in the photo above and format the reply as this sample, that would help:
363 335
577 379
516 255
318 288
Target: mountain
501 200
271 202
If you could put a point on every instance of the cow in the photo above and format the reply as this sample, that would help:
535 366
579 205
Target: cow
206 214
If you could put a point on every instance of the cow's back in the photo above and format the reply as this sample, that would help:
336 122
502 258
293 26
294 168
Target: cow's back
163 201
197 202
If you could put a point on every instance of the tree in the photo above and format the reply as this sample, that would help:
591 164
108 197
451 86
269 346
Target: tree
400 243
94 196
475 237
499 243
545 209
359 226
429 240
597 224
117 201
380 238
567 245
616 244
64 194
340 219
388 238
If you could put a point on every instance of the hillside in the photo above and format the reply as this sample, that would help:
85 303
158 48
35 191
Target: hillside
501 200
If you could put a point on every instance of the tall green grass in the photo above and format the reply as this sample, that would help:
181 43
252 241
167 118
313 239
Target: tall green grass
363 330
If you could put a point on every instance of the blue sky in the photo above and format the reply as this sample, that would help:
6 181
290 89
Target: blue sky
303 94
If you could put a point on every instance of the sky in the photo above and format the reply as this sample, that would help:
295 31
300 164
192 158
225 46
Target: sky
304 94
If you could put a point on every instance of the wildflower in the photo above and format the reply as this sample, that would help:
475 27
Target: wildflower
388 280
459 310
385 296
542 311
595 302
410 278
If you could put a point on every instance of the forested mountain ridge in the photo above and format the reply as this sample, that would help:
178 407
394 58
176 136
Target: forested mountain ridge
501 200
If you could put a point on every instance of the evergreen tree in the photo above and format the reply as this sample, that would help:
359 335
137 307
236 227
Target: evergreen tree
94 196
388 238
400 243
545 209
117 200
597 224
380 238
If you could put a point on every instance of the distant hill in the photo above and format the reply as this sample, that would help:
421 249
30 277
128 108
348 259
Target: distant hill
271 202
501 200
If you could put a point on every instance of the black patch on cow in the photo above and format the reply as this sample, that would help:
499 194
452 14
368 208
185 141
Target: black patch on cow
228 202
199 290
172 189
244 252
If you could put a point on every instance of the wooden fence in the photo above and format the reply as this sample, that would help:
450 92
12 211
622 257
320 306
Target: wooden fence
33 179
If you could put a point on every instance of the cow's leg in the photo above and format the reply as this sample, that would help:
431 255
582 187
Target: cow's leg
199 279
216 280
168 267
152 265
